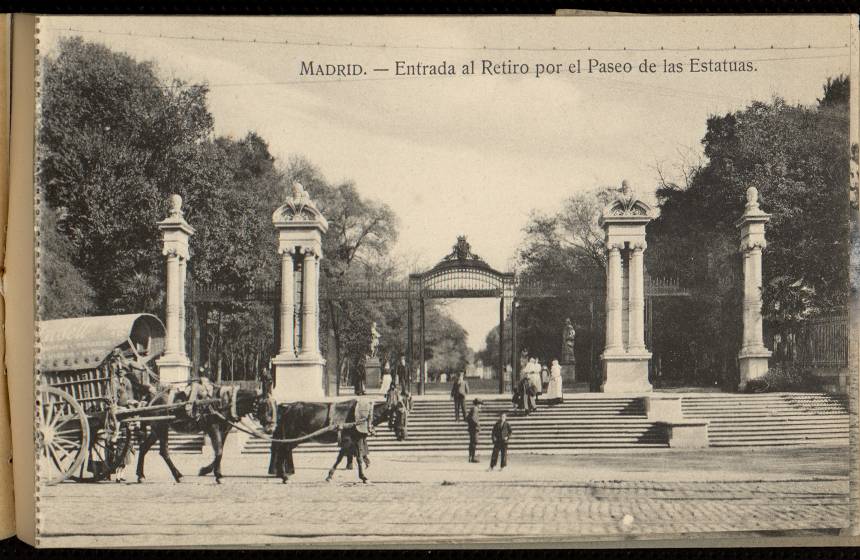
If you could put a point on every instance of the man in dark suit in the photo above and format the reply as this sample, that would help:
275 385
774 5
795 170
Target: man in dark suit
473 423
401 375
359 377
459 391
266 382
501 435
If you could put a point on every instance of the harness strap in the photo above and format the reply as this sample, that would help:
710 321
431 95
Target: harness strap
300 439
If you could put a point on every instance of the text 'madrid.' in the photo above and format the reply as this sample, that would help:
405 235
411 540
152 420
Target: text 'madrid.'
487 67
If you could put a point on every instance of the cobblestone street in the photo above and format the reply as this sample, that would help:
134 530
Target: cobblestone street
543 498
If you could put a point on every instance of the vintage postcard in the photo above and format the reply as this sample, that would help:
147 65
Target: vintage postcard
455 280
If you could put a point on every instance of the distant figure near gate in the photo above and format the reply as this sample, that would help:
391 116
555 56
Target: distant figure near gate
459 391
554 390
401 375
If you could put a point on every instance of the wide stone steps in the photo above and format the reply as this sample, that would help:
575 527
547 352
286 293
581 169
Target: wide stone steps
578 423
185 443
772 419
592 422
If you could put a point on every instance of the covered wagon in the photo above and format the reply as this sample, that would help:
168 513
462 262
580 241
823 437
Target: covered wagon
79 435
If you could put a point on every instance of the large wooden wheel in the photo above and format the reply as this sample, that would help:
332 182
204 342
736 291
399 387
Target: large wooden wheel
109 444
62 437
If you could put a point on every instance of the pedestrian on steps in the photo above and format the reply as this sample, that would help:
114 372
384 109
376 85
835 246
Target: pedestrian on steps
473 424
387 382
459 392
501 436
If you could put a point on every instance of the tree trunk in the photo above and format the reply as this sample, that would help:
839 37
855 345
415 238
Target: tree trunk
195 338
203 317
219 348
335 327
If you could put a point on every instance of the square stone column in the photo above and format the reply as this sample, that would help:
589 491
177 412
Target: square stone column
299 372
174 365
625 362
753 356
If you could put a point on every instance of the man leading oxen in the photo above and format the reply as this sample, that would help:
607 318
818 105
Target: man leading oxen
347 423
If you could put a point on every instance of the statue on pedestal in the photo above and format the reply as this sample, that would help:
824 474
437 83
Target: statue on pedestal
568 355
374 340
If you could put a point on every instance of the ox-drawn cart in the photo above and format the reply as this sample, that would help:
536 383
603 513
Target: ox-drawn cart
81 433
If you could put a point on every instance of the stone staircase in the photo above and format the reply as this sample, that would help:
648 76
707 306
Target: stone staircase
578 423
185 443
770 418
592 421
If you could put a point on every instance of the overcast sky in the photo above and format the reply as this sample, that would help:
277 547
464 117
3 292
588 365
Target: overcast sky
474 155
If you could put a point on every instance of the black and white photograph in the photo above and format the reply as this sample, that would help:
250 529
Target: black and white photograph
410 281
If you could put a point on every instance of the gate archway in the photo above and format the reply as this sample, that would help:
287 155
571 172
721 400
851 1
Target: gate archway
460 274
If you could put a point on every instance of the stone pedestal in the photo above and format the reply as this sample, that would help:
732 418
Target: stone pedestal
753 356
373 368
753 364
298 379
299 368
173 369
686 434
625 373
174 365
568 374
663 408
625 357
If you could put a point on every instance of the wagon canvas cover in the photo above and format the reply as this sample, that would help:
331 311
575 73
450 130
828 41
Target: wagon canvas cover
84 342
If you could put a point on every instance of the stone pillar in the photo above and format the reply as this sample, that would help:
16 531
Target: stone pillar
614 301
299 372
753 356
310 306
174 365
625 359
287 341
171 320
636 322
183 274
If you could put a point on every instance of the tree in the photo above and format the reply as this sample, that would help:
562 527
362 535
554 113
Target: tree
567 248
489 354
360 234
116 141
63 291
798 159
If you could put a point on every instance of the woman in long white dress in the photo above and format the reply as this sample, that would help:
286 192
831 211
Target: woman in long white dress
554 390
386 379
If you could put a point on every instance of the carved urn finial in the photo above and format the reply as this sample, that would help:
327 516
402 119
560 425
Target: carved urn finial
752 199
625 187
175 206
295 192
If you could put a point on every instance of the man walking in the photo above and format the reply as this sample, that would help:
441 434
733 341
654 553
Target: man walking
501 435
473 423
359 377
459 391
401 375
266 382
